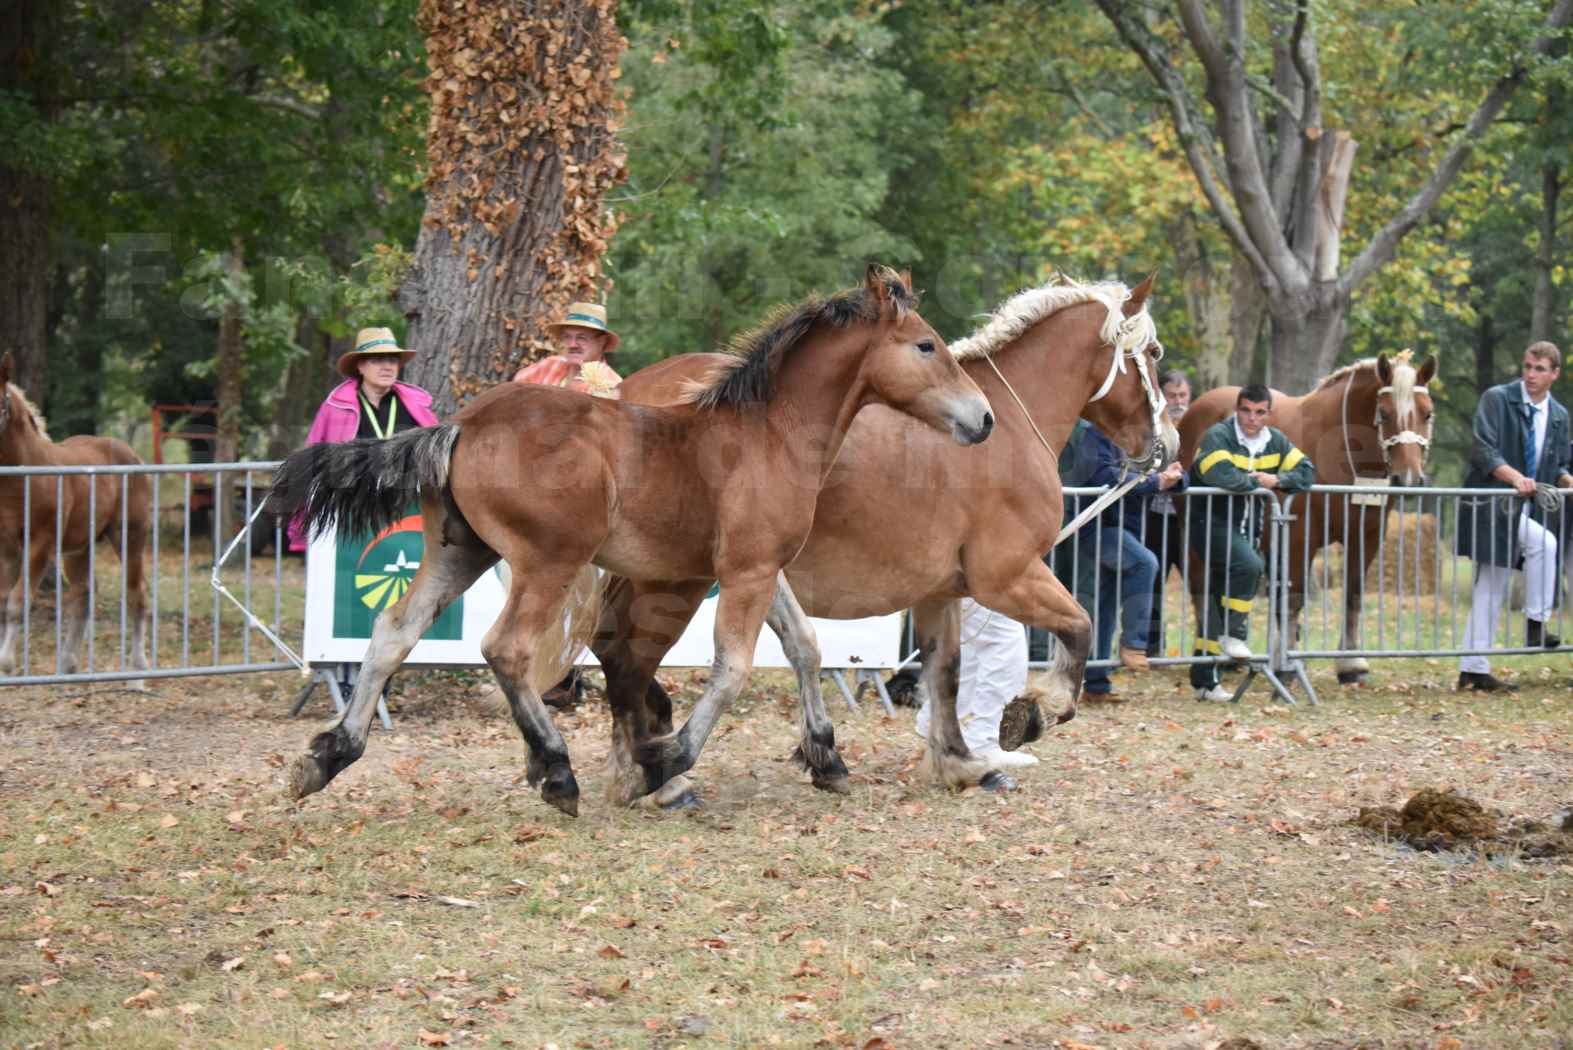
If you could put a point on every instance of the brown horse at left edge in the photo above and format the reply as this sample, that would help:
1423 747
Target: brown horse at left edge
66 514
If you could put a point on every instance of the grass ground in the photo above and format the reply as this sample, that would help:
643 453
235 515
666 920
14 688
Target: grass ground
1173 875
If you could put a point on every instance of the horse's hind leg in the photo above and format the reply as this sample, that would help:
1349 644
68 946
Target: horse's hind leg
740 614
445 573
816 749
16 597
533 599
640 622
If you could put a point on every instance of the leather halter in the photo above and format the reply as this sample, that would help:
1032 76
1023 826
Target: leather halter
1403 437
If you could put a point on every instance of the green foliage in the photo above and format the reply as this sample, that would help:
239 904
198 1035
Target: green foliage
735 207
293 130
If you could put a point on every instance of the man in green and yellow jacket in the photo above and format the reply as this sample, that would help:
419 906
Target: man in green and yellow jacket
1241 454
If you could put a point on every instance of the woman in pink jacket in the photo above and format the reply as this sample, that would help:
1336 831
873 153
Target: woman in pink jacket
370 403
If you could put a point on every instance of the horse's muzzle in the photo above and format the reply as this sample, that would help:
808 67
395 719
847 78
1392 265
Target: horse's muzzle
973 432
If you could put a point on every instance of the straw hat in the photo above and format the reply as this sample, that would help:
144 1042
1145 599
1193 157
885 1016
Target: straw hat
587 315
371 342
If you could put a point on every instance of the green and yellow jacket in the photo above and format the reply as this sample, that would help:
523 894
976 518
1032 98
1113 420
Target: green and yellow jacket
1222 461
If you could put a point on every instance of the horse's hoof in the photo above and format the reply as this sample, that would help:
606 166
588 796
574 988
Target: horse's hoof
688 799
306 777
835 785
1352 677
997 782
534 770
662 759
328 755
561 790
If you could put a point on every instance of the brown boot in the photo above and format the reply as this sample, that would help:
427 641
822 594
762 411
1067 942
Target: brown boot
1134 659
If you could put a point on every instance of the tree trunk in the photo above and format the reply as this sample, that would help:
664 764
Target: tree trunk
1485 354
25 199
292 413
231 354
1308 332
1247 317
1206 302
76 380
523 150
1542 318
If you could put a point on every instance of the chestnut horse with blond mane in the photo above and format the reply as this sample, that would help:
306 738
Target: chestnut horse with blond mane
906 520
1368 423
722 487
88 508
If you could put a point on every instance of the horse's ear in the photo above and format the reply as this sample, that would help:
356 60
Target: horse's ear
5 369
874 283
1139 295
1427 371
1384 369
906 279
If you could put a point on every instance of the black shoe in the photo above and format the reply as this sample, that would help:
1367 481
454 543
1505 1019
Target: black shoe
1540 638
1484 682
565 695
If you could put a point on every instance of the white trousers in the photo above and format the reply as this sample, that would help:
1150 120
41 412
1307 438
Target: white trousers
993 673
1491 587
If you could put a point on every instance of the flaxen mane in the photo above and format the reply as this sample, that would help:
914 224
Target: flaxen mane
1404 376
32 411
1025 309
748 379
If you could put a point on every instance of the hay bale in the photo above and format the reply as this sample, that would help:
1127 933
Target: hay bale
1410 554
1406 565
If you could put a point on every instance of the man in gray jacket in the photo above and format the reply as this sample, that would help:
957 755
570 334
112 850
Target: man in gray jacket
1521 440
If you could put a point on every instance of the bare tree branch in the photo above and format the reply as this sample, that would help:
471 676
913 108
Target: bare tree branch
1199 151
1385 243
1236 133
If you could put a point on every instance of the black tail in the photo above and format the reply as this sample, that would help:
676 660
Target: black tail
363 486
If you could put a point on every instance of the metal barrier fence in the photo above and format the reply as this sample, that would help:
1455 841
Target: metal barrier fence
1349 574
198 621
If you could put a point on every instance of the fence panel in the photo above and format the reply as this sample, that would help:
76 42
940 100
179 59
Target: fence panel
1380 576
197 621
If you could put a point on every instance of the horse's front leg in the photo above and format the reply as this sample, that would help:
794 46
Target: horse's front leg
816 749
1037 598
445 573
937 631
740 613
74 612
135 571
640 622
1364 538
17 597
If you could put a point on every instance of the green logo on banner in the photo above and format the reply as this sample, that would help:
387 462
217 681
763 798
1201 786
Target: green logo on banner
370 573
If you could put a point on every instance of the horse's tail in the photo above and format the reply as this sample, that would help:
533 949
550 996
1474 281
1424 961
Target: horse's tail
363 486
568 634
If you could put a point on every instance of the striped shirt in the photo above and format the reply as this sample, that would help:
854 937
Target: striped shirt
553 371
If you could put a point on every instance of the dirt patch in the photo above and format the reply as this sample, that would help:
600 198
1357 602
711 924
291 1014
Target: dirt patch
1435 820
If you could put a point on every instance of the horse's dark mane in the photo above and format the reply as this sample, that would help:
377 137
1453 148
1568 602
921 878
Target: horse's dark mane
750 378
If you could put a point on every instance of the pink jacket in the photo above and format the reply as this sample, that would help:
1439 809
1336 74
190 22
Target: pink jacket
339 418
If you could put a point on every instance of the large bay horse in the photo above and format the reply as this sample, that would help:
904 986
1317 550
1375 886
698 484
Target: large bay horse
722 487
1368 423
907 520
88 508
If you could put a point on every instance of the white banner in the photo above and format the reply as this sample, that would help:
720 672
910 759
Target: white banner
346 586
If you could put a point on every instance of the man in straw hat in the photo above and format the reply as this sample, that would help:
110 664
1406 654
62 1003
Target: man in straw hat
584 341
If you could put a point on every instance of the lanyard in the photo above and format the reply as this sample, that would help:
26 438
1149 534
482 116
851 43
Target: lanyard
371 414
